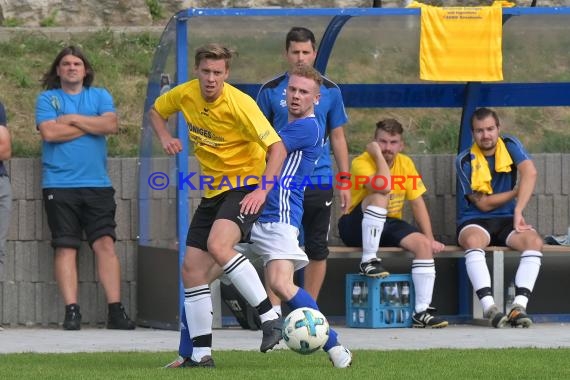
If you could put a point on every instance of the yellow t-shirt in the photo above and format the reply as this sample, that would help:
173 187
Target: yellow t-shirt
406 183
230 135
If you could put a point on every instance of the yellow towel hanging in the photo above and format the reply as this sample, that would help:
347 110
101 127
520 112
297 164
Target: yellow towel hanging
461 43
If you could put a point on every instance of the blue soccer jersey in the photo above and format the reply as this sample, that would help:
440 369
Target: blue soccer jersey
303 139
330 113
501 182
81 162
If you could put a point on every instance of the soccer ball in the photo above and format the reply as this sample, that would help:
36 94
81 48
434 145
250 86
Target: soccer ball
305 330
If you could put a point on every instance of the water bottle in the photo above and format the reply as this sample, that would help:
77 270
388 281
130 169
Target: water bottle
364 293
356 293
361 315
387 293
510 298
405 294
395 298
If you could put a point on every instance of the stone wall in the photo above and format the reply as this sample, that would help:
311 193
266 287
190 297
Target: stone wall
29 294
32 13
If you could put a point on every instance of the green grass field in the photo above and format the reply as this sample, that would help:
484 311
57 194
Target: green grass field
283 364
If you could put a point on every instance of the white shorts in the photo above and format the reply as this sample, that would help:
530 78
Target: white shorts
274 241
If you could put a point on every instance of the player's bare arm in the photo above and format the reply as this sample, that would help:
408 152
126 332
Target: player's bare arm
380 181
170 144
340 151
253 201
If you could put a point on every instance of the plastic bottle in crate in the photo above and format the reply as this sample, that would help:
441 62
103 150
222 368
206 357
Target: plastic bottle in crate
364 293
356 293
405 294
386 293
395 295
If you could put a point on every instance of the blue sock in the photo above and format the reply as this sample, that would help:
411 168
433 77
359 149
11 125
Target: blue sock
304 299
185 347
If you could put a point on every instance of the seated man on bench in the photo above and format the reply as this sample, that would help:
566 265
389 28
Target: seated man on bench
490 213
381 179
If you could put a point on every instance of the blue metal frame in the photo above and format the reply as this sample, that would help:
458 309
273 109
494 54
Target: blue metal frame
466 96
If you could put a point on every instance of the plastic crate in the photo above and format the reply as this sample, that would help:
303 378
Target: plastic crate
379 302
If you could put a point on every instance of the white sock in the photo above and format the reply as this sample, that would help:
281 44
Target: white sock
199 352
423 275
246 280
479 275
199 316
372 226
527 273
277 309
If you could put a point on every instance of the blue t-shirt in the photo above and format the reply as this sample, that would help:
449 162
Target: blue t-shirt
303 139
81 162
3 171
329 111
500 182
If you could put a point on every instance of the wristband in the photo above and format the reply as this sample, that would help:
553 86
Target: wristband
344 177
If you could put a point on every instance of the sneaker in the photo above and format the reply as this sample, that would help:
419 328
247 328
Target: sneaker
272 330
119 320
373 268
181 362
517 317
340 356
496 318
72 319
428 319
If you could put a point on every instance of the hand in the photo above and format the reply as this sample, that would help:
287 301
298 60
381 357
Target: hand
252 202
519 224
437 246
171 146
345 198
373 149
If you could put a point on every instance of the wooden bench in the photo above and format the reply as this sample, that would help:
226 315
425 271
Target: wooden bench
453 251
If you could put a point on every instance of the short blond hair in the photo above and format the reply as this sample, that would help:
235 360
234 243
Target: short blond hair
214 51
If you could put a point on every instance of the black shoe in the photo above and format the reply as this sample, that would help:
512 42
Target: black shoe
271 334
428 319
496 318
72 319
180 362
517 317
373 268
118 318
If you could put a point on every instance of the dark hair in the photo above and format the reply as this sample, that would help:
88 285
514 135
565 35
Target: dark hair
214 51
308 72
483 113
392 126
299 34
51 80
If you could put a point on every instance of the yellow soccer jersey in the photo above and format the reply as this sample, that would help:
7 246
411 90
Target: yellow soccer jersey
406 183
230 135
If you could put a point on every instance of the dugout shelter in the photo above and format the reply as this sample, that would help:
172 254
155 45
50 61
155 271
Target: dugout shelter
373 54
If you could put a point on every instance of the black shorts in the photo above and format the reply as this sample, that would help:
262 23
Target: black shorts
317 206
499 229
222 206
71 211
350 229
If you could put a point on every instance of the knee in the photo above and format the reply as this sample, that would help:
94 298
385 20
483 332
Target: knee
377 199
535 242
423 249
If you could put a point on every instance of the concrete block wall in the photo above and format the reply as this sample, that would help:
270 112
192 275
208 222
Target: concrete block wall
29 294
